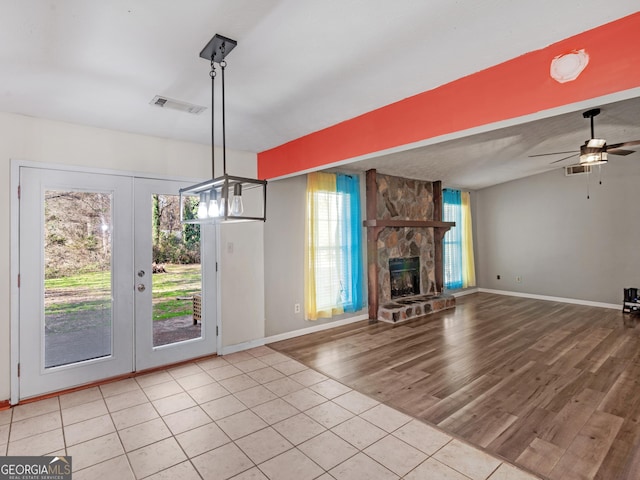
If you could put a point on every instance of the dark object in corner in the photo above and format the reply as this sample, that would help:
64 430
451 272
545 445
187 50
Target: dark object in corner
631 303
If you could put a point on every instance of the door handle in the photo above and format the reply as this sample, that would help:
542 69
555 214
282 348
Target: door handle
141 287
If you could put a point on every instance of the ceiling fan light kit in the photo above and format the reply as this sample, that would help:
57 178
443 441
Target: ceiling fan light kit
596 143
214 203
595 150
592 155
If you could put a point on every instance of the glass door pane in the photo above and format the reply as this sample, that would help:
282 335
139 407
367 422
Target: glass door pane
176 273
77 276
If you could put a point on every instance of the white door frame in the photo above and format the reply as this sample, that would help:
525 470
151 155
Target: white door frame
16 164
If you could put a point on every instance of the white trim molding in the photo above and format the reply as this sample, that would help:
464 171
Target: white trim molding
467 291
317 328
574 301
339 323
287 335
238 347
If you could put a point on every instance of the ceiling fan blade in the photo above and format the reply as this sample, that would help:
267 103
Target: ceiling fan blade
619 151
552 153
622 145
563 159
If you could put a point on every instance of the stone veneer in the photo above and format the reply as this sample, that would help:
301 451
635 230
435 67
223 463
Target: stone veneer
405 199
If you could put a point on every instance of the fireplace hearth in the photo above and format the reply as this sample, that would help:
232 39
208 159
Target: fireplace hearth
404 276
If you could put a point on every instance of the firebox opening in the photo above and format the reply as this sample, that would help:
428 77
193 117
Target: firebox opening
405 276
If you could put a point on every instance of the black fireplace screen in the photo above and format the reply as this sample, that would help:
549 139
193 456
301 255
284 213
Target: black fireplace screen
405 276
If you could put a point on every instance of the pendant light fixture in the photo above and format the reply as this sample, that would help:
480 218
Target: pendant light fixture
214 203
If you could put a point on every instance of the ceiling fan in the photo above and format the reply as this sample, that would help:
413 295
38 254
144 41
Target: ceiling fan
595 150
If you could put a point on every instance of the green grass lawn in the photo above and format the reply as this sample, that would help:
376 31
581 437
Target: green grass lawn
87 292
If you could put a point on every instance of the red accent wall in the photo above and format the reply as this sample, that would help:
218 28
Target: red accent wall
518 87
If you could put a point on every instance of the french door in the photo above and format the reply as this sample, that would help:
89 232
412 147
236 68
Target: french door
169 327
110 281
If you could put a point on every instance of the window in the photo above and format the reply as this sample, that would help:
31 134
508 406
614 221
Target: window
459 269
333 258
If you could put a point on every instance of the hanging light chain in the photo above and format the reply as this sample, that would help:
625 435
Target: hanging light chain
223 65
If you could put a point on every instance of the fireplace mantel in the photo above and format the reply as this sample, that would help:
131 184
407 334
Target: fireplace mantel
408 223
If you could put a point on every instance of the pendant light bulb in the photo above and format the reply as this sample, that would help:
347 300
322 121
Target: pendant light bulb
222 204
236 203
213 210
202 206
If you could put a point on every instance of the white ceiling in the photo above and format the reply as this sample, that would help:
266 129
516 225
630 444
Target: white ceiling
300 66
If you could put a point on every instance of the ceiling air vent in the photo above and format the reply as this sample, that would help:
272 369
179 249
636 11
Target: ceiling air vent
576 169
165 102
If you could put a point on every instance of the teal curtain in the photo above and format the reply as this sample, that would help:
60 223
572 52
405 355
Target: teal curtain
348 188
452 212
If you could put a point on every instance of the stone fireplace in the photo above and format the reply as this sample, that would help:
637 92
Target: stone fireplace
404 244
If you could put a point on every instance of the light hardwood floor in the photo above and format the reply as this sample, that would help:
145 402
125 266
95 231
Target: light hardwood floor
552 387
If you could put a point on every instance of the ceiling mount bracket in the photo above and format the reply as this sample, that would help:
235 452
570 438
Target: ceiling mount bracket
591 113
218 48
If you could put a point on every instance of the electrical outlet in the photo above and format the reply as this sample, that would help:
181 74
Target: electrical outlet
518 279
296 308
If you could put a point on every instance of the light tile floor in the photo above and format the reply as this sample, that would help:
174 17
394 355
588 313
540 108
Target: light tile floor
250 415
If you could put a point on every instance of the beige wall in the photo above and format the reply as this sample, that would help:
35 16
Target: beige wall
48 142
284 258
544 230
242 272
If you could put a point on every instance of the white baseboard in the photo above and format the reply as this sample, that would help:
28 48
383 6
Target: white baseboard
318 328
575 301
339 323
467 291
238 347
285 336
